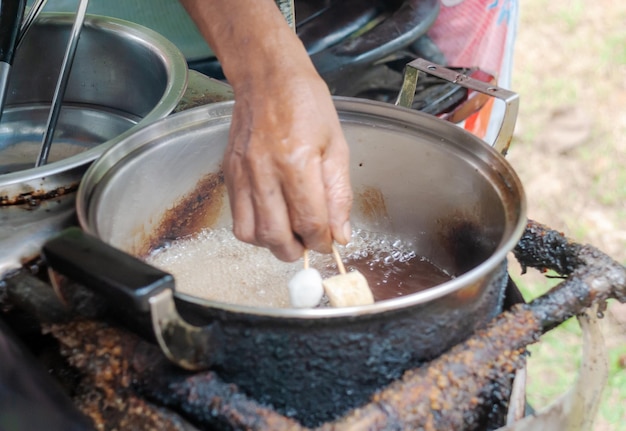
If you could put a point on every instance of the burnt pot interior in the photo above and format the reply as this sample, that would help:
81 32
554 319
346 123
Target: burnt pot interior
420 178
432 183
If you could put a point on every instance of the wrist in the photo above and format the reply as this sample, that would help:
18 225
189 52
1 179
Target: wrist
252 40
270 59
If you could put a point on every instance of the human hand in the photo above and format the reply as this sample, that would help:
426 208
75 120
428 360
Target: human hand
286 164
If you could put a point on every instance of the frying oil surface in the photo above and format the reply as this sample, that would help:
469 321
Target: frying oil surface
214 265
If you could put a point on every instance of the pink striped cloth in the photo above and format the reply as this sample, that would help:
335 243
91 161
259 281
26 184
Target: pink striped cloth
479 33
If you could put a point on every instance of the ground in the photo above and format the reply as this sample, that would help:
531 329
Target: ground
569 149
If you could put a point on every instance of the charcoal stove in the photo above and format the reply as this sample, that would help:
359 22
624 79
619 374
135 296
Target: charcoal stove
95 380
99 371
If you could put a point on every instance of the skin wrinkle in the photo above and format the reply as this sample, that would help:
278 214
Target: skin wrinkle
285 165
305 222
265 197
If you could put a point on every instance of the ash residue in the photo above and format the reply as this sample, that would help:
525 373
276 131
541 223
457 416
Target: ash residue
544 248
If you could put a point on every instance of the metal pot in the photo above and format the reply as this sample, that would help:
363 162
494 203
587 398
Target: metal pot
414 175
123 77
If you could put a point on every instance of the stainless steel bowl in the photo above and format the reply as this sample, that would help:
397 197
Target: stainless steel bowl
123 77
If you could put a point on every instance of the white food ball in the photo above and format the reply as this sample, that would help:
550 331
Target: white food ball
305 288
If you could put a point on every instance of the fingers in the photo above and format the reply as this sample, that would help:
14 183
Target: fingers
260 217
305 195
260 213
338 190
287 173
286 204
240 197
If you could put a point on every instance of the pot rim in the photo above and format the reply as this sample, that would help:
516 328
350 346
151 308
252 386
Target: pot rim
176 67
222 111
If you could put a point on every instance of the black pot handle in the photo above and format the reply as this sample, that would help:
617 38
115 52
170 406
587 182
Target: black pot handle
136 285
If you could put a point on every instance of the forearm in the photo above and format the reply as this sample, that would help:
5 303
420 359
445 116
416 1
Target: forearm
250 38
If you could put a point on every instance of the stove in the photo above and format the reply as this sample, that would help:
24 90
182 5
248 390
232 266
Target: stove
100 376
99 372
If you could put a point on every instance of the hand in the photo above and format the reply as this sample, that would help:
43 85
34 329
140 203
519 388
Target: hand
286 164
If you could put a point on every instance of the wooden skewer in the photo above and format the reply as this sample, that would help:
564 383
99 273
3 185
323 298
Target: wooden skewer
342 269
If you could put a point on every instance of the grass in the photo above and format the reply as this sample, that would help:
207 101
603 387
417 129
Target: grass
571 57
554 361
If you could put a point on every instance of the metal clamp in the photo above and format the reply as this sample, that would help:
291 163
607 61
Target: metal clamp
511 99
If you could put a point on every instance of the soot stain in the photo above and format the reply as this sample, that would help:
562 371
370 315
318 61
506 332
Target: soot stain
372 204
465 241
193 212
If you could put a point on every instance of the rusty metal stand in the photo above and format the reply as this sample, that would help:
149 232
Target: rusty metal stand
134 382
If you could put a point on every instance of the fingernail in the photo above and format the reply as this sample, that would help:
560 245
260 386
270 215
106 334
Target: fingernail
347 231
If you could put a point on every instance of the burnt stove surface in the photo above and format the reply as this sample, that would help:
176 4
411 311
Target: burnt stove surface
85 372
81 372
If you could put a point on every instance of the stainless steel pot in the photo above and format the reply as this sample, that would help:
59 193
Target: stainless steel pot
418 177
123 77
